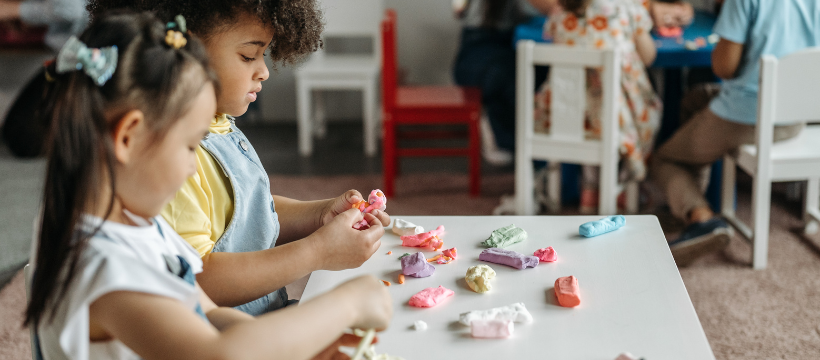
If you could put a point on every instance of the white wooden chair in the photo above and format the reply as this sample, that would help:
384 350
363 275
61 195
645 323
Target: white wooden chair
323 71
788 94
35 344
566 143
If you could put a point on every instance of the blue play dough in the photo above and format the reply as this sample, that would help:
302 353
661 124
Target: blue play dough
603 226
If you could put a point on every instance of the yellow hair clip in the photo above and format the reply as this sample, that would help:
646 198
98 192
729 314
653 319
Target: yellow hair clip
175 39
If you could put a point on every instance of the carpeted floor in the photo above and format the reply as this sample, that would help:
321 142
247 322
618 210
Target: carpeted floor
747 314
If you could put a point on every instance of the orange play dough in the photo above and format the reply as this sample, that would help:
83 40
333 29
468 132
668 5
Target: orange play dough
567 291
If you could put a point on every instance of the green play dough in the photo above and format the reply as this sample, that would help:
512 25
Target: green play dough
405 254
505 236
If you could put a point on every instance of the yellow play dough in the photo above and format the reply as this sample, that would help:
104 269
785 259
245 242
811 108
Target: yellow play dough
478 278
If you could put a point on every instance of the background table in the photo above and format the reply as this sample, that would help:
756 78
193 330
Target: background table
632 296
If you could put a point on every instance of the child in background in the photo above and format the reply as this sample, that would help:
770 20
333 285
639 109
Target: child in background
129 103
726 117
245 236
600 24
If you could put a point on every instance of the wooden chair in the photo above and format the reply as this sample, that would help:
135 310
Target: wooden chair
324 71
424 105
788 94
566 143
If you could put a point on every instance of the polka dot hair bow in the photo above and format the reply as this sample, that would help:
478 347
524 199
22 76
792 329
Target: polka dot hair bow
98 64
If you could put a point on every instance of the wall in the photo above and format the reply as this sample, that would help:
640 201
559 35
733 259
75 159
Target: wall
427 40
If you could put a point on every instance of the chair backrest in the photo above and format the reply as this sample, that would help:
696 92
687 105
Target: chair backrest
568 104
389 63
353 18
36 354
789 87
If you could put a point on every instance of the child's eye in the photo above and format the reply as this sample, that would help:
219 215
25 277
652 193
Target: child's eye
247 59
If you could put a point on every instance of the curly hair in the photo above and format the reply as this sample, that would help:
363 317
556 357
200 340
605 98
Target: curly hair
297 24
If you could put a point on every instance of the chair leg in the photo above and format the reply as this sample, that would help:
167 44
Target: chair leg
524 184
319 118
475 157
389 160
761 201
727 192
608 189
369 119
554 187
812 206
304 125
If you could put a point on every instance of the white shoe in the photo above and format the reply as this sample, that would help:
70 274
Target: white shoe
489 150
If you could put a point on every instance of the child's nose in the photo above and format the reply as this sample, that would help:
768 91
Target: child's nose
262 73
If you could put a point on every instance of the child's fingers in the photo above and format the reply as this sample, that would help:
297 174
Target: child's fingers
383 217
352 197
351 216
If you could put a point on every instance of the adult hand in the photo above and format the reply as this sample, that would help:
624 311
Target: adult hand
671 14
344 202
339 246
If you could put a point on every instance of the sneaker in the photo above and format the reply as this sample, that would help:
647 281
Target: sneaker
491 153
700 239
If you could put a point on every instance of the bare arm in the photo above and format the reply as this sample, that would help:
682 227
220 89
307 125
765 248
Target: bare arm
157 327
9 10
232 279
726 59
645 47
545 6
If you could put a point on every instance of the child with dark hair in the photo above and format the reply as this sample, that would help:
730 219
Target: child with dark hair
245 236
129 102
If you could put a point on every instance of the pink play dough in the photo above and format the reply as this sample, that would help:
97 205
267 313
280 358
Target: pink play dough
567 291
546 254
491 329
430 297
429 239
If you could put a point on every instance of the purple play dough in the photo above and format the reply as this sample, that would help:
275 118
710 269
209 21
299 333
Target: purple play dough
416 266
509 258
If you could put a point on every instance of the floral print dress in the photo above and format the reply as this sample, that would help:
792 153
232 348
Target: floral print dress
611 24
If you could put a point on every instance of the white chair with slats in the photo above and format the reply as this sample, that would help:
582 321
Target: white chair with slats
326 71
788 94
566 143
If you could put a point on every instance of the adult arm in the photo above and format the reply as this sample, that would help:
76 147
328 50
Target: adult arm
726 59
157 327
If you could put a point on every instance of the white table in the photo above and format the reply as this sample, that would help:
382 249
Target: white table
632 296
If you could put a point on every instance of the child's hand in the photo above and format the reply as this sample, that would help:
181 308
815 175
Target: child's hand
344 202
332 352
370 301
339 246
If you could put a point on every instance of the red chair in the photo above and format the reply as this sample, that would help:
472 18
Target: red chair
424 105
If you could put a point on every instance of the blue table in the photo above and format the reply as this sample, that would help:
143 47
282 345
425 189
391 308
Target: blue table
672 58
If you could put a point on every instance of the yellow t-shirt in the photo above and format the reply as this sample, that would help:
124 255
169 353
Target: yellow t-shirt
202 208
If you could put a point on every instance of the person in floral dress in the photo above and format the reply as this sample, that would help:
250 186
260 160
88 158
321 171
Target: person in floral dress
607 24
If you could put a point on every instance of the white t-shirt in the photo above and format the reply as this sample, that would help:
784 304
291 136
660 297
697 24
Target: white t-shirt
119 258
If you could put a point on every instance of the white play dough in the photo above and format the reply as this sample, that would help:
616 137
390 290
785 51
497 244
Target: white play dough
404 228
516 312
419 325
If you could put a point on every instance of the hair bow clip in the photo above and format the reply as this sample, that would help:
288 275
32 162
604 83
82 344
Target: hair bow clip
173 38
99 64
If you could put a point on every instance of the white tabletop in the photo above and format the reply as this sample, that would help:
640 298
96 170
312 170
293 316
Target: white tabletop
632 296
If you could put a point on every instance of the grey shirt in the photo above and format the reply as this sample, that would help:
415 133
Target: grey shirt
63 18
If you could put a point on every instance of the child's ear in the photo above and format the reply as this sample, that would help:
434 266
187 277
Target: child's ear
129 127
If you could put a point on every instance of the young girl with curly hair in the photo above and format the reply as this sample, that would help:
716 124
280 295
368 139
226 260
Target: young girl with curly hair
245 236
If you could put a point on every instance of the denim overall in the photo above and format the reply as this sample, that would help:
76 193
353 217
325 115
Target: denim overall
254 225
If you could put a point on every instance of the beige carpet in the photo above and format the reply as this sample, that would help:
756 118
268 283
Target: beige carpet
747 314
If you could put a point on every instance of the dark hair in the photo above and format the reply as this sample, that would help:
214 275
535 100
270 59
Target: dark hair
297 24
576 7
150 76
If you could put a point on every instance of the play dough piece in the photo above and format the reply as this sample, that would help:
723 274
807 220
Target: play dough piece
478 278
491 329
516 312
546 254
440 259
451 253
670 31
389 253
603 226
375 201
509 258
416 266
386 283
403 255
430 297
401 278
429 239
403 227
419 325
505 236
626 356
567 291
